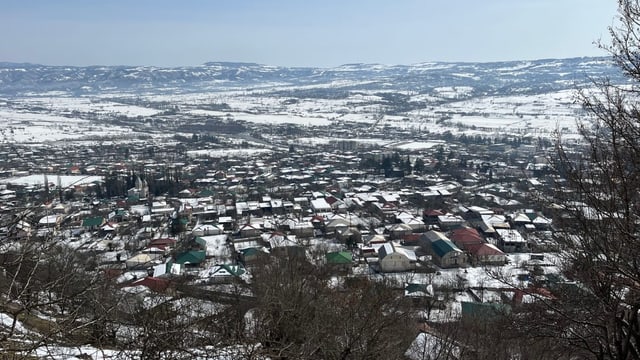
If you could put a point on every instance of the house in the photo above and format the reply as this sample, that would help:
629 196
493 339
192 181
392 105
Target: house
227 222
339 260
444 252
318 222
215 246
193 257
430 216
420 294
336 204
338 223
224 273
152 283
520 219
349 236
251 255
483 310
510 240
207 229
394 259
320 205
496 221
416 225
162 243
386 211
143 260
303 228
486 254
398 231
477 212
109 227
450 221
93 223
430 236
465 236
411 240
50 221
249 230
166 269
418 290
373 239
541 223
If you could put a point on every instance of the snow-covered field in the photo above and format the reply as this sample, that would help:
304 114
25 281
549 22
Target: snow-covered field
39 179
87 105
54 117
220 153
326 140
416 145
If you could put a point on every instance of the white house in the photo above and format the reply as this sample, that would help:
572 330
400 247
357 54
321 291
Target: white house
393 259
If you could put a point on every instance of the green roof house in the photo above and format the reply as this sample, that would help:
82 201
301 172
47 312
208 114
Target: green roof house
193 257
446 254
483 310
251 254
224 273
93 222
339 259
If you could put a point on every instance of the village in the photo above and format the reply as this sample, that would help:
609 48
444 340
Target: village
439 217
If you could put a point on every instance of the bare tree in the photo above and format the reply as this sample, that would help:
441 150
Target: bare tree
52 293
302 313
596 314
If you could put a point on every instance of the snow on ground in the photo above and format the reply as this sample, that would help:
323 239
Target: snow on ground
29 127
453 92
203 112
90 352
217 247
416 145
480 276
282 119
38 179
227 152
6 321
532 115
88 105
326 141
358 117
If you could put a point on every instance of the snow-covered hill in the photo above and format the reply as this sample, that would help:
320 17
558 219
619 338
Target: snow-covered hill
41 103
497 78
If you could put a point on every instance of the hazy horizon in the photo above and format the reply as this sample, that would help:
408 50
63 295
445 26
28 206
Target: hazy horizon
300 34
278 65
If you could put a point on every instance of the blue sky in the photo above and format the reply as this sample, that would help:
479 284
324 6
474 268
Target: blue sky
299 32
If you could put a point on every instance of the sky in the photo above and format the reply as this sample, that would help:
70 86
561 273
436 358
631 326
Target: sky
323 33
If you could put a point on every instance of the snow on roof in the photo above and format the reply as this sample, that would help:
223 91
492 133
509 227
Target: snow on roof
410 254
480 210
510 236
216 246
433 235
49 220
521 218
320 204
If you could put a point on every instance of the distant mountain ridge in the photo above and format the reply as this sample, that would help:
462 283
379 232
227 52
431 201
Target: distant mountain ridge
495 78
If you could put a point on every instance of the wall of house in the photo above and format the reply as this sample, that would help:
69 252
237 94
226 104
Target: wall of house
492 259
395 262
453 259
